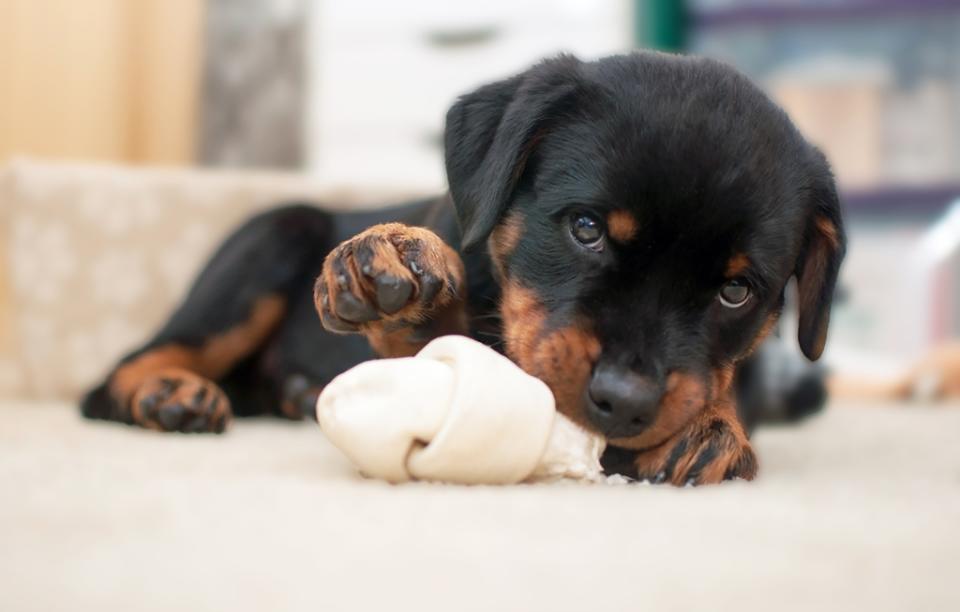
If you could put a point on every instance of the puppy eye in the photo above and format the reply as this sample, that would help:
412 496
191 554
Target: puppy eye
734 293
586 230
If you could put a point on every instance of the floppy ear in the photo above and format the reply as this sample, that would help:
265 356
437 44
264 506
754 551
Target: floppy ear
818 265
490 135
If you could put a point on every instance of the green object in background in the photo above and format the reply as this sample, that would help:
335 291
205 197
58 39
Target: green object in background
660 24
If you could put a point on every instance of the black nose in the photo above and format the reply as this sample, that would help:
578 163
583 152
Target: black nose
622 403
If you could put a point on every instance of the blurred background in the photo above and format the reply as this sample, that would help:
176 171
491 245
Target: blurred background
353 93
136 134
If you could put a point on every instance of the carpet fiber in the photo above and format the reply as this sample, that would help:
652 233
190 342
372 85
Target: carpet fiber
858 508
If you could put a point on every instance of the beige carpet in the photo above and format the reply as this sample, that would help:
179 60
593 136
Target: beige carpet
858 509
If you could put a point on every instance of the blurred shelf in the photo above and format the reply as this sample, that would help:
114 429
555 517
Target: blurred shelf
874 83
900 201
702 15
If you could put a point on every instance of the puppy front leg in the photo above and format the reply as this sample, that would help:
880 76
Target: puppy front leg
400 286
712 448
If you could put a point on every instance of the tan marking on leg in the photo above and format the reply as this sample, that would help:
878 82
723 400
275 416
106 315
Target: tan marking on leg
734 448
407 341
728 441
212 360
622 225
215 407
393 344
392 244
436 257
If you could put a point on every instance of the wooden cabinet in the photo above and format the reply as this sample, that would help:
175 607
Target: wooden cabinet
102 79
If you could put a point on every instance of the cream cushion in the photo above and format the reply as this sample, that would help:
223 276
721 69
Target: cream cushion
94 257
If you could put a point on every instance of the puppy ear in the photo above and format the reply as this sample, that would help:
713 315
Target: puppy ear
819 264
490 135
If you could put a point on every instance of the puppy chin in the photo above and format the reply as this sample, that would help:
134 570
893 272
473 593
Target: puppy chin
661 431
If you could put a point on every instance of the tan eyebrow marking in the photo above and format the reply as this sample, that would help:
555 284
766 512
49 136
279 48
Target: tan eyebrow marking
737 265
622 226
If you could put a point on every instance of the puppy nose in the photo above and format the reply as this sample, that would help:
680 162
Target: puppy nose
621 402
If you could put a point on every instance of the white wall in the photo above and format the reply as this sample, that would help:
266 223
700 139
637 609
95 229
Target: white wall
894 312
380 84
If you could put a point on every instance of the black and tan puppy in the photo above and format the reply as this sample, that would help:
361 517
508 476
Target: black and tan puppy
623 229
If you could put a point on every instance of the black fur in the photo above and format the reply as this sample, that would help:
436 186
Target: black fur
707 164
704 161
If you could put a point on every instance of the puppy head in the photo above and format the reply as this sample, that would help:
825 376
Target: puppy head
644 214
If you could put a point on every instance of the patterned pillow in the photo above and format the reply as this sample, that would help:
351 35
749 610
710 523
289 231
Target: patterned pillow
93 258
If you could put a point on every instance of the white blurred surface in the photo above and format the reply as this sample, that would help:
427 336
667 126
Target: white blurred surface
858 509
382 79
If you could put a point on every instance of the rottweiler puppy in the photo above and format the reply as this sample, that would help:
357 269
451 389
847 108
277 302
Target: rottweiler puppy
622 229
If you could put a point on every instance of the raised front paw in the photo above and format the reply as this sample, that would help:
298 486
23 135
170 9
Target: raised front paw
390 273
713 448
178 400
